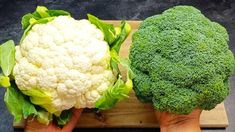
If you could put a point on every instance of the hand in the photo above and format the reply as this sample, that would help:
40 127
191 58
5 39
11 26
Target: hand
33 125
179 123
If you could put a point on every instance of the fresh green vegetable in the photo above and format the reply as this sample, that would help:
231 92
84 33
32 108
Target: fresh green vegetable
45 117
41 16
17 104
7 57
4 81
107 29
115 37
64 117
181 60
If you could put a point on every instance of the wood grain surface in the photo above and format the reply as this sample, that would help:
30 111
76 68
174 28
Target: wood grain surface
131 113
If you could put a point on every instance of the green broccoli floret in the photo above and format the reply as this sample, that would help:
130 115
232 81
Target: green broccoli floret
181 61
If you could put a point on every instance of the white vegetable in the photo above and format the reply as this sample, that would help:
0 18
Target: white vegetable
68 59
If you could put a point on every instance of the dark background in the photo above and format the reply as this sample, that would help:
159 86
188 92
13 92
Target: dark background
11 11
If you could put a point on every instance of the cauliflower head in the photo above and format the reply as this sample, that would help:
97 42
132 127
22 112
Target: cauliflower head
68 59
61 63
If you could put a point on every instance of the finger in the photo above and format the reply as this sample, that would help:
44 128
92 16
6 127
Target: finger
73 122
160 115
197 111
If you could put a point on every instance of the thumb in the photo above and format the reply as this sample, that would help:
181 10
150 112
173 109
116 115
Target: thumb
73 122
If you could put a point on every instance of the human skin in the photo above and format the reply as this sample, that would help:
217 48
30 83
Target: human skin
168 122
176 123
32 125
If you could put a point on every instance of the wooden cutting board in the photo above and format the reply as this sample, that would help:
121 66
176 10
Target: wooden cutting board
131 113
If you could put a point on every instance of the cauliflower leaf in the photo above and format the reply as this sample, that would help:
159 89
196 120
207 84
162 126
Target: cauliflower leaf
41 15
44 117
4 81
18 105
115 37
7 51
107 29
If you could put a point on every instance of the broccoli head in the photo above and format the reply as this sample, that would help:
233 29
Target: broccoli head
181 60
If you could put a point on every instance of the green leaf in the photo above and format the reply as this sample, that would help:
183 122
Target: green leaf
122 33
38 96
28 109
44 117
13 102
25 33
7 57
4 81
114 61
41 16
115 37
0 55
120 90
114 94
36 15
126 64
42 11
18 105
107 29
32 21
64 117
25 20
44 20
58 13
41 98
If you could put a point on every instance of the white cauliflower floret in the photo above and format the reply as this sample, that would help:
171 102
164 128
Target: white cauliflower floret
67 58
